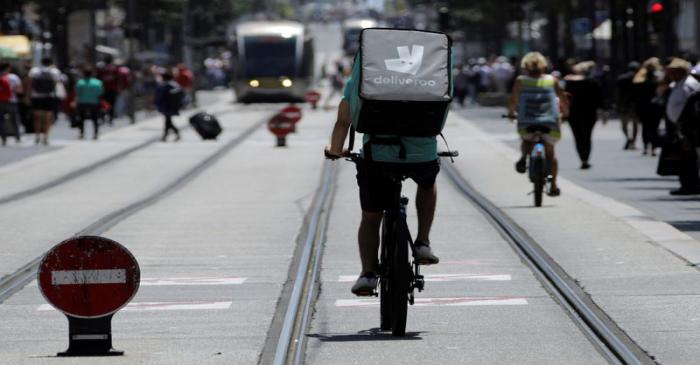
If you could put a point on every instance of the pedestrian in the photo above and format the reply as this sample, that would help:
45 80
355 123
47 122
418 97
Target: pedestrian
683 109
44 81
168 100
185 79
10 87
108 74
461 85
88 91
625 106
586 99
648 104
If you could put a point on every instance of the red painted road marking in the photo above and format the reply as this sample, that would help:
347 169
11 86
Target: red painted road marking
427 302
445 277
162 306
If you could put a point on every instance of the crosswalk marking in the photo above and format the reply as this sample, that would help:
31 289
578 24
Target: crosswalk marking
426 302
445 277
162 306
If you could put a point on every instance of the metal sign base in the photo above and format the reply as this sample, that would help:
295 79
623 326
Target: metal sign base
90 337
281 141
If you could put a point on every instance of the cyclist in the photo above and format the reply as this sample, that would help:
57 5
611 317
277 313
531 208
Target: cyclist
421 164
535 79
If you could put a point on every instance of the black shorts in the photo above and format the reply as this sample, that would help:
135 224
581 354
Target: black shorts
376 183
47 104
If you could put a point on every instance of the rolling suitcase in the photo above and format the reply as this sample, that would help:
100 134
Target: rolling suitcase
206 125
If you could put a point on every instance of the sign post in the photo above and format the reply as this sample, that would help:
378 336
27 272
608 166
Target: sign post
89 278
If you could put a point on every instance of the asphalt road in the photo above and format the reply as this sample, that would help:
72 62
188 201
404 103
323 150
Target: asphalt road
215 252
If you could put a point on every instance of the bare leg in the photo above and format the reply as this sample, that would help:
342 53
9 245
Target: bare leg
368 239
549 152
426 200
38 118
526 147
48 122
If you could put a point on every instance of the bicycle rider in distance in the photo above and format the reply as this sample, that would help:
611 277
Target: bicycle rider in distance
535 79
421 164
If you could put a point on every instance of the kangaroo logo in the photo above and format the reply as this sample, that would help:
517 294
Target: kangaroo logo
408 63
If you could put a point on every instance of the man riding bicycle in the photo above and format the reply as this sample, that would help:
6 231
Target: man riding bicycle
413 157
536 100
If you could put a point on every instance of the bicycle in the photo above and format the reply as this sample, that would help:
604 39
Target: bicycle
399 273
539 168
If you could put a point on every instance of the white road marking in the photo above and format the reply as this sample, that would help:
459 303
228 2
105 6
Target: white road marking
78 277
161 306
204 281
444 277
426 302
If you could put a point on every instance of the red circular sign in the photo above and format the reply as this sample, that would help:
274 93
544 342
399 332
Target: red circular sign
280 125
313 97
88 276
292 113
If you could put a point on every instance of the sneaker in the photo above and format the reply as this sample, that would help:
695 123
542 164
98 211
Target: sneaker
521 165
424 255
554 191
366 285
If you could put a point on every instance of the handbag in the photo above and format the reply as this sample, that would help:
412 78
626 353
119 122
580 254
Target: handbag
671 157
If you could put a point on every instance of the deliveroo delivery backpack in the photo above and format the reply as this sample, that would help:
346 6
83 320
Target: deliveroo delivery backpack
405 82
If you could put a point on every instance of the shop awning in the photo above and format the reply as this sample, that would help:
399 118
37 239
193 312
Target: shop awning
18 45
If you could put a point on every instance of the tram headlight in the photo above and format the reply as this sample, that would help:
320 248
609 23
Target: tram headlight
254 83
287 83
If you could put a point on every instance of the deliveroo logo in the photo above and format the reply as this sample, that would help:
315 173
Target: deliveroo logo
407 63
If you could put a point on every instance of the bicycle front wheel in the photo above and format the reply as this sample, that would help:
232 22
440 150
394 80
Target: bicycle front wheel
387 253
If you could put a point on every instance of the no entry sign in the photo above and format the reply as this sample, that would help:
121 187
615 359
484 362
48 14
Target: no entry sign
291 113
88 277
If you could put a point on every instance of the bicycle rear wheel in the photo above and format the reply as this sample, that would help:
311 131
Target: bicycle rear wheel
384 282
399 284
538 179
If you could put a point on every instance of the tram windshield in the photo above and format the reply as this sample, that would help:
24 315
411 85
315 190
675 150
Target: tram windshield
270 56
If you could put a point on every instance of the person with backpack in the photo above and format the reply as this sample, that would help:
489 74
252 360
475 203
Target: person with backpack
399 135
537 99
88 91
10 87
43 82
168 100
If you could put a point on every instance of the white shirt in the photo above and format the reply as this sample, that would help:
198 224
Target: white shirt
681 91
36 71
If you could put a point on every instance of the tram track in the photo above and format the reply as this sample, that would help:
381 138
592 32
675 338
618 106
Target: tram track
85 170
286 341
14 282
610 340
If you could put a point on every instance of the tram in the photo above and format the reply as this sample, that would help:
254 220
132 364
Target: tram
273 61
351 33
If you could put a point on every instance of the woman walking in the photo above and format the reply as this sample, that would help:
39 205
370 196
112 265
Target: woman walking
647 107
88 91
586 98
168 100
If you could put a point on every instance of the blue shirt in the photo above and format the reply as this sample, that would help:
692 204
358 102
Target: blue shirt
418 149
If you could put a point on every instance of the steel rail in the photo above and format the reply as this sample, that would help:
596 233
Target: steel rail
72 175
291 340
12 283
611 341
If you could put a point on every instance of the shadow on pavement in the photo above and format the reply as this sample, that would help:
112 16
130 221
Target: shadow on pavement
686 226
373 334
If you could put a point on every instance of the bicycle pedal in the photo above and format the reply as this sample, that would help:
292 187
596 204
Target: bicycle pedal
367 293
